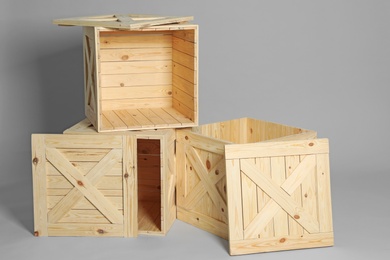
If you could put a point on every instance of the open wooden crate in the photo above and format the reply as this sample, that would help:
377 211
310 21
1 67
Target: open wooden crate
264 186
139 77
111 184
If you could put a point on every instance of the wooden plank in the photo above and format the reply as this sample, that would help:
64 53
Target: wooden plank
128 119
280 243
184 46
203 222
141 54
85 167
278 173
183 109
287 204
269 149
136 79
184 99
84 155
309 191
184 85
140 117
114 119
185 121
233 187
130 188
85 230
292 163
39 184
168 119
184 72
184 59
187 35
152 117
127 104
106 183
201 142
305 135
249 200
264 167
136 92
149 216
83 203
105 123
83 216
181 180
126 41
84 185
81 141
63 192
324 193
114 68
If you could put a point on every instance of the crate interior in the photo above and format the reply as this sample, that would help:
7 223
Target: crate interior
246 130
149 185
148 79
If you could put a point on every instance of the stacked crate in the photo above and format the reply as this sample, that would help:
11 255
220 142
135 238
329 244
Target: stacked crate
134 165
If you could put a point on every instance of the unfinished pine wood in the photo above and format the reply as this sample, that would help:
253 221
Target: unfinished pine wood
136 79
290 179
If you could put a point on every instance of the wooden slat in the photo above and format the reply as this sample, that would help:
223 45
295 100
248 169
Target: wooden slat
125 104
114 119
152 117
278 173
277 243
130 187
183 109
184 59
184 99
135 41
187 35
184 72
141 54
269 149
105 123
181 186
149 216
84 185
233 188
140 117
39 184
114 68
249 200
324 194
264 166
85 167
168 119
201 142
106 183
126 118
179 116
83 203
184 85
95 230
82 141
136 79
184 46
136 92
84 155
84 216
203 222
309 190
63 192
292 164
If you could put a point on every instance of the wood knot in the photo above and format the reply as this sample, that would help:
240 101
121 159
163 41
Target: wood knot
80 183
122 84
126 175
251 130
197 219
222 209
159 187
36 234
208 164
216 172
100 231
282 240
311 144
305 195
190 168
297 217
186 137
224 188
125 57
169 92
35 161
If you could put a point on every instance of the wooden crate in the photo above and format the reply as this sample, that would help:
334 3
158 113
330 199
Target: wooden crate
90 184
264 186
139 77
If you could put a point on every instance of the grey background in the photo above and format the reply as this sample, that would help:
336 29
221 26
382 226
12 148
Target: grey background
321 65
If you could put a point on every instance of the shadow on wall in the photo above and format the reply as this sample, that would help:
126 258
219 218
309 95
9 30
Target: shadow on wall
61 78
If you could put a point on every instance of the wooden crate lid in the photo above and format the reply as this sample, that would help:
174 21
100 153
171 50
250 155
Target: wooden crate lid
126 21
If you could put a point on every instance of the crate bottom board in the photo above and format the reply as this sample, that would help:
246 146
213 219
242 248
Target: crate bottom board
143 118
149 217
